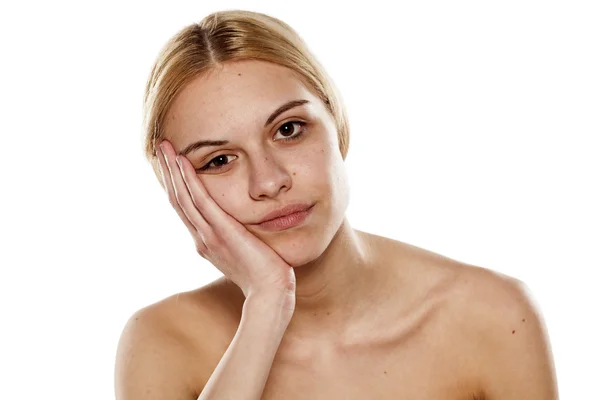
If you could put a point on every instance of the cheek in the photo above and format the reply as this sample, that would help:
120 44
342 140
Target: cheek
324 170
332 172
310 168
227 196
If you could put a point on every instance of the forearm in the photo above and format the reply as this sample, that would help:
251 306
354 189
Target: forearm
244 368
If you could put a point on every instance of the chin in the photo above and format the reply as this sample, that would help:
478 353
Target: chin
295 256
301 251
306 244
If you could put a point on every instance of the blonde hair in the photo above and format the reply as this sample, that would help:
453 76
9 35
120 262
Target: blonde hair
232 35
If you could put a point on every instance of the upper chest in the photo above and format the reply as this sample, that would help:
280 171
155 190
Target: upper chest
423 362
423 350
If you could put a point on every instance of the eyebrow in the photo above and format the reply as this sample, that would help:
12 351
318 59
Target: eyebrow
204 143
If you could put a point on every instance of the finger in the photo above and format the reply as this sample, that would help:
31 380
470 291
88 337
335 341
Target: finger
169 187
182 195
216 217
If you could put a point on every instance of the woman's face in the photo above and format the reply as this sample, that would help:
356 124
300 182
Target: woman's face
258 171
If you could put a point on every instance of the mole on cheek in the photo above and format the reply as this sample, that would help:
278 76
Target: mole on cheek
513 332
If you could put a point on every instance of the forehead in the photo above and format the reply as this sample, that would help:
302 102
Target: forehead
237 95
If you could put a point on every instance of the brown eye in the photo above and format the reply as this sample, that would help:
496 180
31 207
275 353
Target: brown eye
219 161
288 129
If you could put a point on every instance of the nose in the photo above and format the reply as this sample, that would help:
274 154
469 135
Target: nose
267 177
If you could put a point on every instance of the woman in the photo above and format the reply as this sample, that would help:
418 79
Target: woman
243 126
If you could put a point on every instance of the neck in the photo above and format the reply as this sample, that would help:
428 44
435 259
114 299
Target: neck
331 291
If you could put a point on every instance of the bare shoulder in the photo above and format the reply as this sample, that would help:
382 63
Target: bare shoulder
503 331
487 301
514 347
150 354
476 290
488 320
167 349
497 305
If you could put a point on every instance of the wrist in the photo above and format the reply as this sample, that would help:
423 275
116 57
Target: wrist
274 305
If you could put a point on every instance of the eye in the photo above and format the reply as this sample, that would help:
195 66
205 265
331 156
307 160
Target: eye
218 160
292 123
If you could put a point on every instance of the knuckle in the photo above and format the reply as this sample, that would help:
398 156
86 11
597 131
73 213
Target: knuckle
202 251
199 239
211 241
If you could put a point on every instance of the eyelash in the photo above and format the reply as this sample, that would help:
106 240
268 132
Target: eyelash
285 139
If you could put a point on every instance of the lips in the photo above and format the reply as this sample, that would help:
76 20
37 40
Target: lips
287 210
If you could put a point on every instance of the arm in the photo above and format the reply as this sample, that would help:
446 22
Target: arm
519 357
244 368
156 368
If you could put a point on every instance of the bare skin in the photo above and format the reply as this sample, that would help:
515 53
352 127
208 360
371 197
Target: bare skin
373 317
436 334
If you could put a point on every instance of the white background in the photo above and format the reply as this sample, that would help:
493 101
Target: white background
475 131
